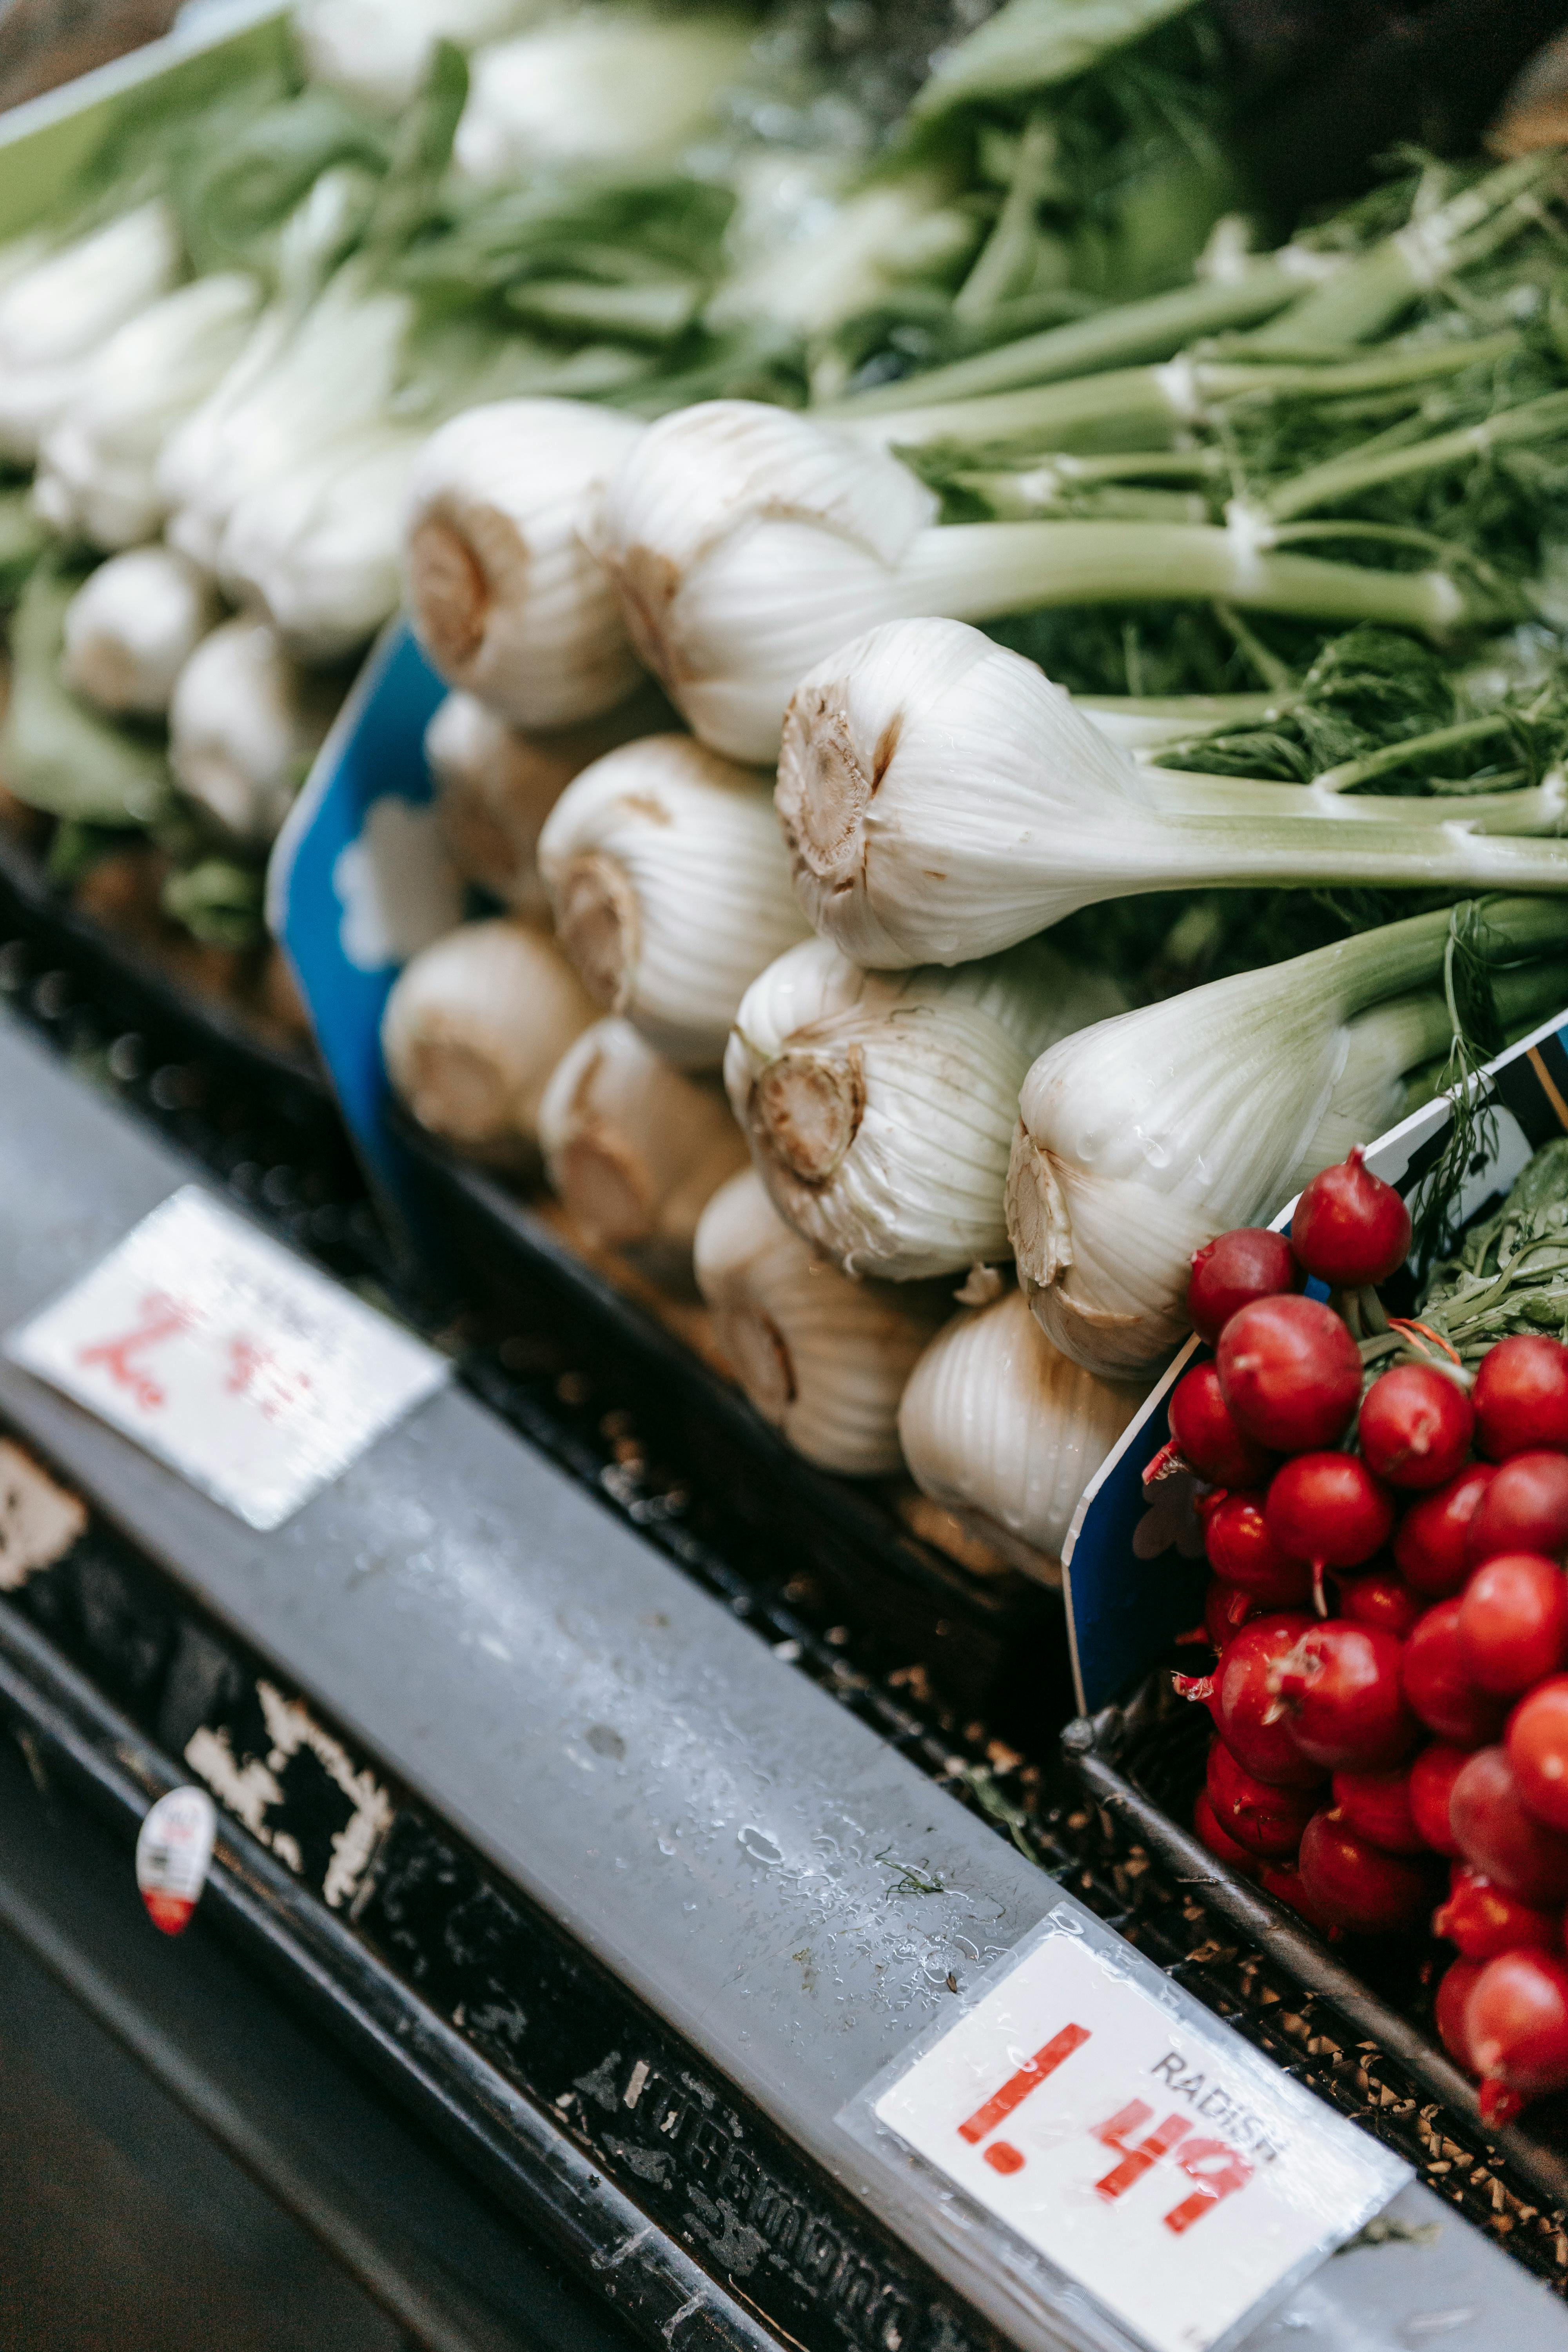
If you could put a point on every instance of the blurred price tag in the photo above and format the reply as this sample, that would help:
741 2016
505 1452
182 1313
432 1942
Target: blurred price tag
174 1853
255 1377
1152 2157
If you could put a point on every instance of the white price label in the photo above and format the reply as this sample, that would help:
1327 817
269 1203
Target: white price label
1158 2163
256 1377
174 1853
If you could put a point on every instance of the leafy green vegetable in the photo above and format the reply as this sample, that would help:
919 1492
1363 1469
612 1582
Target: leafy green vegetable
1510 1272
218 901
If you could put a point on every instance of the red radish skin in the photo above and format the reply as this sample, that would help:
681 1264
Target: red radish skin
1432 1777
1284 1884
1376 1805
1290 1373
1355 1884
1349 1227
1341 1690
1218 1840
1206 1436
1524 1509
1499 1838
1228 1273
1415 1427
1516 2019
1240 1698
1430 1549
1241 1550
1484 1921
1265 1819
1226 1609
1536 1745
1521 1397
1437 1683
1383 1599
1329 1508
1513 1622
1448 2011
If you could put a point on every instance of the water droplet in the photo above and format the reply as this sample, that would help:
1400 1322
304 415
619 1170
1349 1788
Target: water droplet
758 1844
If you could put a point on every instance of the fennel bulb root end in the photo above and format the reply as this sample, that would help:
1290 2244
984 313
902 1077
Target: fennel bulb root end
449 593
806 1111
596 923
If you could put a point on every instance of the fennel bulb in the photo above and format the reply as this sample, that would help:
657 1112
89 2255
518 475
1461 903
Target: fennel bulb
379 51
670 889
1142 1139
1007 1432
749 544
132 625
55 316
881 1107
504 597
58 753
97 464
942 799
634 1147
495 787
472 1030
808 253
244 725
608 87
316 548
822 1358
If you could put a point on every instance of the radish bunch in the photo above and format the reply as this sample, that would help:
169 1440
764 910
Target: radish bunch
1390 1612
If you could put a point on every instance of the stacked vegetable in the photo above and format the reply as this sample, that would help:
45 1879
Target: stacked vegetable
1386 1523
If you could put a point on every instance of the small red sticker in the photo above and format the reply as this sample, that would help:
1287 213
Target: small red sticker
174 1851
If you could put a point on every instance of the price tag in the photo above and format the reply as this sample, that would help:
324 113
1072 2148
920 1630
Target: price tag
256 1377
1127 2136
174 1853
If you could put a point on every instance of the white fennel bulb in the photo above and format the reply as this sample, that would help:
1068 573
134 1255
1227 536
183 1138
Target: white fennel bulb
942 799
1007 1432
244 725
495 787
504 596
807 254
379 51
317 548
824 1359
98 466
635 1147
746 542
1142 1139
607 86
472 1030
670 889
55 316
881 1106
132 627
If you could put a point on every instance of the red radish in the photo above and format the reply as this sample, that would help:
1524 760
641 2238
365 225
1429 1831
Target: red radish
1537 1744
1499 1838
1376 1805
1349 1227
1380 1598
1284 1884
1516 2019
1226 1609
1206 1434
1524 1509
1290 1373
1218 1840
1239 1697
1430 1544
1513 1622
1228 1273
1329 1508
1449 2009
1241 1550
1415 1427
1438 1682
1432 1777
1520 1396
1484 1921
1266 1819
1354 1882
1340 1687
